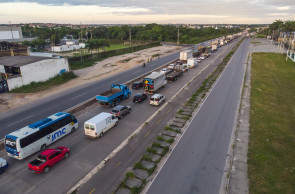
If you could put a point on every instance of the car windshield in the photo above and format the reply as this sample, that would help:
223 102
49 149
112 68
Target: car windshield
115 111
86 126
136 83
137 95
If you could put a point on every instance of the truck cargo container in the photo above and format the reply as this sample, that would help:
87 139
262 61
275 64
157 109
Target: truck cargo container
192 62
154 82
185 55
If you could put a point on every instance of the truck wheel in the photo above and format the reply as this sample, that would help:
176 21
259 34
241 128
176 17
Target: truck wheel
116 123
101 134
127 96
43 147
46 169
73 129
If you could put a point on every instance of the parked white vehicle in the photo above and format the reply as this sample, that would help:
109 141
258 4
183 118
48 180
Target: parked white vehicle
157 99
202 57
98 125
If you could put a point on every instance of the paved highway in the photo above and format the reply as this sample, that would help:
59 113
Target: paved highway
109 177
196 164
87 153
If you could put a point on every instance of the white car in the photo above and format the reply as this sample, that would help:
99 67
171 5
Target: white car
3 165
202 57
171 66
157 99
166 71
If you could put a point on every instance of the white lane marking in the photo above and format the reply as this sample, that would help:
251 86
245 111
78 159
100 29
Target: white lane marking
20 120
78 96
148 185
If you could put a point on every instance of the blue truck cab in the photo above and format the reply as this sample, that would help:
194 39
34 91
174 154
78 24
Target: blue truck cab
113 96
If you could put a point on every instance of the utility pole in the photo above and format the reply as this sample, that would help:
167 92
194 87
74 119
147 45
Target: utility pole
130 36
178 37
81 41
11 31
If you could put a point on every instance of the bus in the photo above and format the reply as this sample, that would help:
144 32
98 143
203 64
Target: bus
34 137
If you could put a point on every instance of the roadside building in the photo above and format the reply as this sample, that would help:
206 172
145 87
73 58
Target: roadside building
22 70
68 47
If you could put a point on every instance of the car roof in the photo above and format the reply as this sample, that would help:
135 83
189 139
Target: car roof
48 152
139 94
118 107
156 95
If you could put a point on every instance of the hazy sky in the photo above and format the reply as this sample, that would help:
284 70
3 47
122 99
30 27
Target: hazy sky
146 11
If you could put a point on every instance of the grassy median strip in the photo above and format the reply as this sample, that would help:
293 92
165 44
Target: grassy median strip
39 86
271 163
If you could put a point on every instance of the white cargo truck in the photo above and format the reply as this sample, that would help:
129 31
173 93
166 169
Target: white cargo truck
185 55
192 62
154 81
214 47
98 125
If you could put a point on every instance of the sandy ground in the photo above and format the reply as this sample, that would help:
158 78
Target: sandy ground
100 70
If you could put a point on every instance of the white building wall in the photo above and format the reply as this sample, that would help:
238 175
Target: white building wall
76 47
43 70
8 35
2 69
82 45
15 82
62 48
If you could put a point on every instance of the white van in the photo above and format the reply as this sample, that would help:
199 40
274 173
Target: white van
98 125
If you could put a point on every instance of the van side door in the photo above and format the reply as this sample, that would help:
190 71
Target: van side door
108 122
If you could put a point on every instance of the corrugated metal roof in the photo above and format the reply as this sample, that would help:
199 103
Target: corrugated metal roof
18 61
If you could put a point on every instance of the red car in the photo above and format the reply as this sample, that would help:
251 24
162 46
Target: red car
48 158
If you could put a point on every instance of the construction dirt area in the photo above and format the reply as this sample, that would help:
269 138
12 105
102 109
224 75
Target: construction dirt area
98 71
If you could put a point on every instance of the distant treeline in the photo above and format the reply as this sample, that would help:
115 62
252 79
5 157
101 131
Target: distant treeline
149 32
286 26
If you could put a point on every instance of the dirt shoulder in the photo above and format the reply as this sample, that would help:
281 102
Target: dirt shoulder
96 72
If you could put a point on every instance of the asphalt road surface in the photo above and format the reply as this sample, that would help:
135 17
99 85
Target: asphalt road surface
197 163
109 177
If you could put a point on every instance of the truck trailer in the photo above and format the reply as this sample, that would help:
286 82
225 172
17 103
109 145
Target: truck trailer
173 76
185 55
